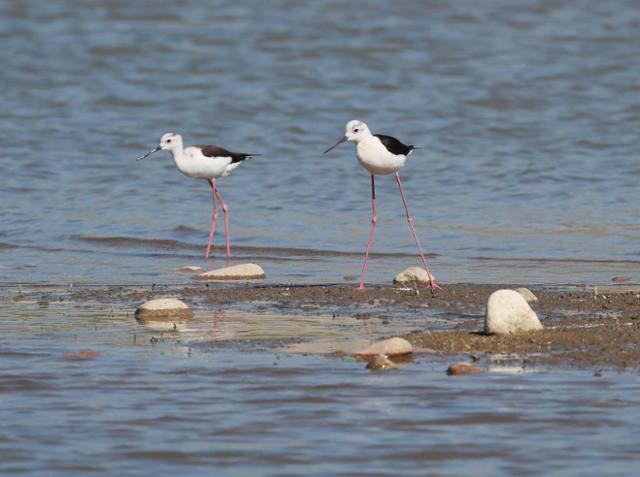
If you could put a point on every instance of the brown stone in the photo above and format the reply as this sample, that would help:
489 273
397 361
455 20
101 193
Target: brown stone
463 369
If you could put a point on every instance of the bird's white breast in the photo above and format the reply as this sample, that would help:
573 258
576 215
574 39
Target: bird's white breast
375 158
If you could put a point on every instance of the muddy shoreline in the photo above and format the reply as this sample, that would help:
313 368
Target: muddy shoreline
584 326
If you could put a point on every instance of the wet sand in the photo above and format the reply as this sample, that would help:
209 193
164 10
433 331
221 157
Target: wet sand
584 326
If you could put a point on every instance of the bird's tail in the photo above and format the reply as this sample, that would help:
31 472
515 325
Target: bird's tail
241 156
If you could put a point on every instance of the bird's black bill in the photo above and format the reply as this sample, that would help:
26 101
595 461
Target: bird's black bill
156 149
336 145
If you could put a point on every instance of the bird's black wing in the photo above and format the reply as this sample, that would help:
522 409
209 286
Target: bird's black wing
215 151
394 146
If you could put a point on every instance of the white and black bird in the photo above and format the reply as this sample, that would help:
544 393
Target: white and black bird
381 155
203 162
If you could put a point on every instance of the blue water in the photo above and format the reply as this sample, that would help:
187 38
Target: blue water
201 403
528 116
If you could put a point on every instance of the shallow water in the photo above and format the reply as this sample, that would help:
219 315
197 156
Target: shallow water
222 397
528 116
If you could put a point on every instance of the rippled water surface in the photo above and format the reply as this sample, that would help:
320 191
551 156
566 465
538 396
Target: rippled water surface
527 114
228 395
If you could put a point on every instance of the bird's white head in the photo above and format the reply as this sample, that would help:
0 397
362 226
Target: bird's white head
355 131
168 142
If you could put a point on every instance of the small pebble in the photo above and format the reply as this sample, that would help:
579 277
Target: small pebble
527 295
412 275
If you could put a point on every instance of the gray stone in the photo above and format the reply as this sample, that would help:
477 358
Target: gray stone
392 347
508 312
527 295
243 271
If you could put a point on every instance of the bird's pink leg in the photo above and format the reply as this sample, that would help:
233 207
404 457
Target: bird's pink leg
214 218
225 210
374 219
433 284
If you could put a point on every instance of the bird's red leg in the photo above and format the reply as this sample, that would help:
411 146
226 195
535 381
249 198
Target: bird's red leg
374 219
225 210
433 284
214 217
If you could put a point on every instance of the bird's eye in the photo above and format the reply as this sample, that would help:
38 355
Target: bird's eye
356 130
168 140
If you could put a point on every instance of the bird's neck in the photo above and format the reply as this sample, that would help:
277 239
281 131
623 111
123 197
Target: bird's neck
365 138
179 157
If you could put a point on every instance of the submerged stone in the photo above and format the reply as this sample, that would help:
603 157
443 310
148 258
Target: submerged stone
243 271
508 312
188 268
380 362
463 369
82 355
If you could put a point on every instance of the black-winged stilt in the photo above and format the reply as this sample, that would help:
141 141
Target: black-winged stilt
203 162
381 155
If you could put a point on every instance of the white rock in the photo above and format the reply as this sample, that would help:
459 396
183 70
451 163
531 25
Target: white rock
243 271
527 295
391 347
412 275
508 312
167 309
188 268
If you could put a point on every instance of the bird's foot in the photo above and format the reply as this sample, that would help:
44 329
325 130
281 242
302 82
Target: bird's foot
361 287
434 285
